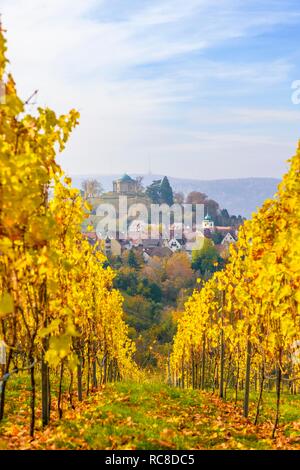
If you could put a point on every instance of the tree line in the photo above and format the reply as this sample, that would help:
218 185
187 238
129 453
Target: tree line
60 317
240 331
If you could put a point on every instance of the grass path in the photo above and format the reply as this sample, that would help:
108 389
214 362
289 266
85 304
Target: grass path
150 416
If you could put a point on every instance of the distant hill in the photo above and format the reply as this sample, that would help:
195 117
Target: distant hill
239 196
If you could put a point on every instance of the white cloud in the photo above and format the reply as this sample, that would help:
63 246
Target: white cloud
78 58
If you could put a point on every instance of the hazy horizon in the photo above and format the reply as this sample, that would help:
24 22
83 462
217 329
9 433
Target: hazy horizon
149 175
239 196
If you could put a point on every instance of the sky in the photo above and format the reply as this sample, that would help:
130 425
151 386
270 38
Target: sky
188 88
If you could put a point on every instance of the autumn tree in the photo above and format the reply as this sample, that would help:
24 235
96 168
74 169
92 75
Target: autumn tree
178 197
58 307
243 323
92 188
196 197
139 184
179 270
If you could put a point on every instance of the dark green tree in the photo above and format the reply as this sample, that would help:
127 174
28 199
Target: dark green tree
207 260
153 191
217 237
166 192
160 192
132 260
126 281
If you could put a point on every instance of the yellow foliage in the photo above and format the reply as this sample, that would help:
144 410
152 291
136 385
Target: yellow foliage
255 300
56 298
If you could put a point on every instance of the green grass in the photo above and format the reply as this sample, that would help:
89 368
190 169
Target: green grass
151 415
289 405
142 416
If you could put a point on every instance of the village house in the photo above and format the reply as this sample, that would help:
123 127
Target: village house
175 244
208 223
112 247
229 238
159 251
